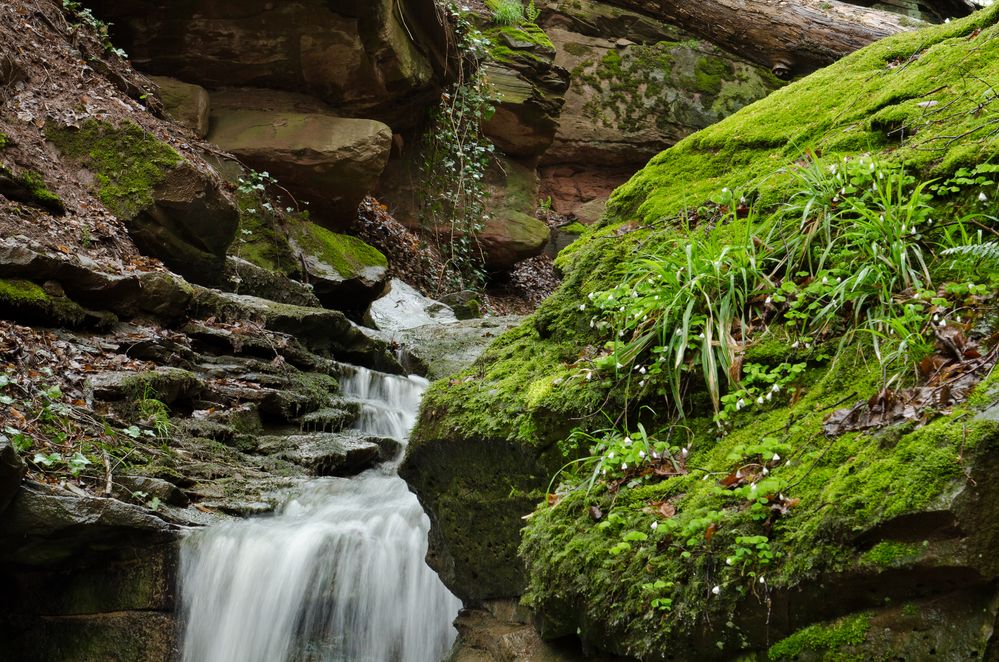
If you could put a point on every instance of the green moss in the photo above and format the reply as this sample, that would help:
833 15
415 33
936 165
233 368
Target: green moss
127 161
830 639
525 44
349 256
573 228
14 292
35 183
708 74
5 141
842 109
890 553
261 239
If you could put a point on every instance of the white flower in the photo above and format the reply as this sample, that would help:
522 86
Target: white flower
624 466
610 456
620 365
684 451
627 441
752 487
725 190
641 383
982 197
728 561
641 454
582 306
591 295
825 280
775 388
759 400
654 526
763 580
767 301
766 472
716 590
776 457
770 396
589 375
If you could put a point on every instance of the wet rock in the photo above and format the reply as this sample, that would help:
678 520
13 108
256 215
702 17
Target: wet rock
11 471
402 307
446 350
317 329
174 209
188 104
330 419
332 162
341 454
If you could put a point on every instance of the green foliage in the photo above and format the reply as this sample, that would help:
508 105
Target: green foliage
508 12
454 156
84 16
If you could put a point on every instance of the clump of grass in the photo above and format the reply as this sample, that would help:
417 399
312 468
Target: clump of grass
508 12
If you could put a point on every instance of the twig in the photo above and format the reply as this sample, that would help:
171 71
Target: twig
107 472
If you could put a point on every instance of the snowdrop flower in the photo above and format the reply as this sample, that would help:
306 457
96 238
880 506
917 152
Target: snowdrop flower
728 561
610 456
641 383
752 487
593 323
825 280
641 370
582 306
701 336
725 190
763 580
620 365
982 197
794 345
766 472
627 441
641 454
716 590
654 526
776 457
788 463
775 388
740 404
589 375
943 323
655 455
767 301
591 295
603 473
759 400
624 466
770 396
684 451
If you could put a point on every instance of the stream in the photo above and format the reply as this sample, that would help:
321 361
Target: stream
336 574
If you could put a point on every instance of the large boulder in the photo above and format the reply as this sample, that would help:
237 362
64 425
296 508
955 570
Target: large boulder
511 232
362 57
188 104
638 86
331 162
174 209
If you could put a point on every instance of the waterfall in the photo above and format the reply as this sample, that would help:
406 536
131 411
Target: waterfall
337 574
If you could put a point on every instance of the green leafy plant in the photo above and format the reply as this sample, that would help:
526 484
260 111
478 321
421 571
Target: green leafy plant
85 16
508 12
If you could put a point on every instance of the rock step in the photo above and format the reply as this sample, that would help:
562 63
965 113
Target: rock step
330 454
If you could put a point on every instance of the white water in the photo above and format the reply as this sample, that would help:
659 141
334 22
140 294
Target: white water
337 574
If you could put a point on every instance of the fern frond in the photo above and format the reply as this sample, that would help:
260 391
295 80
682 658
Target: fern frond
987 251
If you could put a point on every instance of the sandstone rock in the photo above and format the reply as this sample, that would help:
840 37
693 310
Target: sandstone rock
244 277
403 307
11 471
331 162
174 209
318 329
440 351
345 272
511 232
168 385
188 104
359 57
28 302
153 488
528 88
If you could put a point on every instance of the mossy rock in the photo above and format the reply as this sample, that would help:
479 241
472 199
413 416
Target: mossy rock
345 272
868 499
29 187
25 301
172 210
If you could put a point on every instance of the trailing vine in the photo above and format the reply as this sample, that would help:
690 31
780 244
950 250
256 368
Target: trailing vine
454 156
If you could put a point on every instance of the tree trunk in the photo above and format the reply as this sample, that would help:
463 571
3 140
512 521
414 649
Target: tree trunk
790 36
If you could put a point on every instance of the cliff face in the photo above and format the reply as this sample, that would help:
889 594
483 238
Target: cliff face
715 439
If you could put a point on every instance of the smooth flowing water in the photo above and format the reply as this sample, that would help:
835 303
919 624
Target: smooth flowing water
338 573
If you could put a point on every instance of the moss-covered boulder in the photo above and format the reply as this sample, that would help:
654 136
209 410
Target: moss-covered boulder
685 512
345 272
29 187
173 210
25 301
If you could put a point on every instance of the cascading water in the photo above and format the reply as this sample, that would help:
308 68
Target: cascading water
337 574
